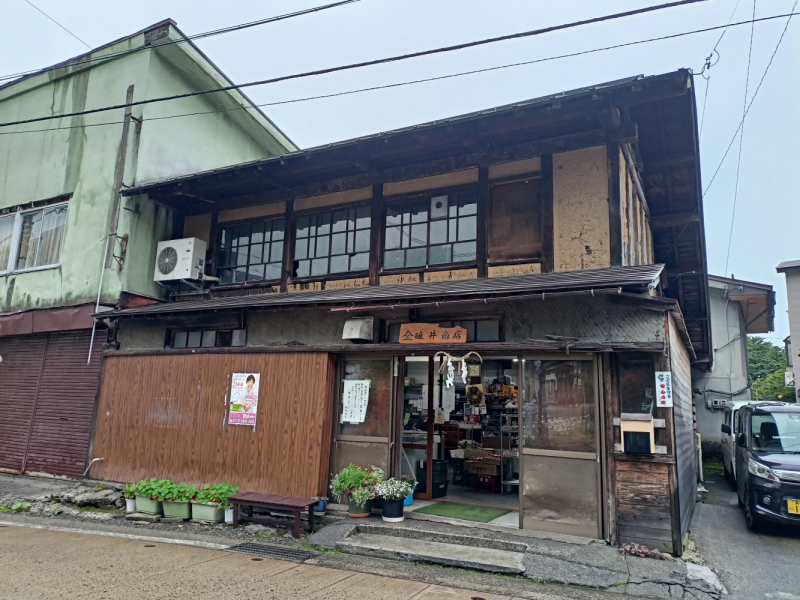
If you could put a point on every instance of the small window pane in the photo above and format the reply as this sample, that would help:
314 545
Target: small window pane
52 236
256 252
394 332
438 207
324 224
239 275
338 243
255 273
393 216
438 232
467 204
419 212
277 230
224 339
469 326
360 262
272 271
323 246
441 254
362 240
419 235
225 238
241 235
239 337
276 254
467 228
195 339
415 257
339 221
393 259
453 233
303 268
363 217
350 241
241 256
392 238
179 339
340 264
224 258
301 249
29 240
319 266
209 339
464 252
488 331
225 276
257 235
302 227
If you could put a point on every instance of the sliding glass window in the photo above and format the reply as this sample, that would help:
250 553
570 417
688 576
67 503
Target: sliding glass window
32 239
433 230
251 252
332 242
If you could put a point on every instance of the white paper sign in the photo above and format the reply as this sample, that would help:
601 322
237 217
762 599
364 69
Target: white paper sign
355 399
664 389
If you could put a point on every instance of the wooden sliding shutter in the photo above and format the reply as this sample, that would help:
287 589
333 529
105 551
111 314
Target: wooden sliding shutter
515 221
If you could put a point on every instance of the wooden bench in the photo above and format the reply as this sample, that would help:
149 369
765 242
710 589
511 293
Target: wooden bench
287 503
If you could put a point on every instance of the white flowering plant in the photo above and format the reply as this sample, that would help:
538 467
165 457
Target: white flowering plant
394 489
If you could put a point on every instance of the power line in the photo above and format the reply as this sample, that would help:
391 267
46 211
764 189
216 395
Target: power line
59 24
197 36
741 140
404 83
366 63
741 124
412 82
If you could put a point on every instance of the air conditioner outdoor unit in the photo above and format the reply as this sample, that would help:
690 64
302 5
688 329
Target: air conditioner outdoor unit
180 259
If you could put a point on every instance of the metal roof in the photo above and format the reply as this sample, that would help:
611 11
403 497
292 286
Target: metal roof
788 264
645 276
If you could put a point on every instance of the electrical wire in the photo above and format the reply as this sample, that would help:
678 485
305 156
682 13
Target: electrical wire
741 141
196 36
402 83
368 63
59 24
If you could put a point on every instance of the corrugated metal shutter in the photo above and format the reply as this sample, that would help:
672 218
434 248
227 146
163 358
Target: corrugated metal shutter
62 425
19 378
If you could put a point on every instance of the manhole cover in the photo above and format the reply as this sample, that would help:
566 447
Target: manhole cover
278 552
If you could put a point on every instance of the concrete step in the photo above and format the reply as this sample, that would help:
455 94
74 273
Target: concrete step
424 551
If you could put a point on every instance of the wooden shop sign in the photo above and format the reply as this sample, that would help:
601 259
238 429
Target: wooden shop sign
428 333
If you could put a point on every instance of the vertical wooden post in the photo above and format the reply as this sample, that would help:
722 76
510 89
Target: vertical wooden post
211 248
614 208
548 259
611 410
119 172
375 235
482 238
288 246
674 492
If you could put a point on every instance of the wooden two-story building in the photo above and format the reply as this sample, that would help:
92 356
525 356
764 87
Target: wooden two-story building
561 238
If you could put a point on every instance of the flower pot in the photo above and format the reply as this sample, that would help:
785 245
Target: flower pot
147 506
359 511
176 510
321 507
207 513
229 516
130 505
393 511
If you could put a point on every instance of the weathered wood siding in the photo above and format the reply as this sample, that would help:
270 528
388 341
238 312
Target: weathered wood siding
165 416
685 442
643 504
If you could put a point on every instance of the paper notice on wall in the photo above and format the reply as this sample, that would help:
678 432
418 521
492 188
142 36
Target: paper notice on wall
664 389
449 399
244 399
355 398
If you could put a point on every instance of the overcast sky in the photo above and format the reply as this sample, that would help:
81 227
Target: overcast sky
767 222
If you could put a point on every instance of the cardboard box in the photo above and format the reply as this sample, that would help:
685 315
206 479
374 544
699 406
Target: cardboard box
477 453
479 468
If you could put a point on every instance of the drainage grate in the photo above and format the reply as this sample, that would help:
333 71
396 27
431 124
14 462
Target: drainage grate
279 552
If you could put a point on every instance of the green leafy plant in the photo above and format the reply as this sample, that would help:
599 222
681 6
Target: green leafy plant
179 492
394 489
216 493
155 489
362 495
348 479
129 491
21 507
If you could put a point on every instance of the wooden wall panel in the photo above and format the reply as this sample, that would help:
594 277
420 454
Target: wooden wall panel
165 416
643 504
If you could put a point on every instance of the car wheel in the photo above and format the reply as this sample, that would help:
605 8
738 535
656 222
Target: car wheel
738 497
749 516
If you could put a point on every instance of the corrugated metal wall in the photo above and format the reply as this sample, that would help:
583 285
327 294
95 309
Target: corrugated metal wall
165 416
47 399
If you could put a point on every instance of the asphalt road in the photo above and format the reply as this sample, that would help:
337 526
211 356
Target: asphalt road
751 565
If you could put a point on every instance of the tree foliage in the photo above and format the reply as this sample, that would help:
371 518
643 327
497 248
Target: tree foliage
767 364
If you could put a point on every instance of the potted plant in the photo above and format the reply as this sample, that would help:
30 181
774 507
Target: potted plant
394 492
207 505
358 486
175 501
129 493
228 508
148 494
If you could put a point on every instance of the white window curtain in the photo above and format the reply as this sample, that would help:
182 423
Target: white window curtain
41 235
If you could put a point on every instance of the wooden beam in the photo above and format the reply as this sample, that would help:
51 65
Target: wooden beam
674 220
637 182
548 237
614 208
376 231
288 246
483 222
611 409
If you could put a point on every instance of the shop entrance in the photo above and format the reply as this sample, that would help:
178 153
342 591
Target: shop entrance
560 444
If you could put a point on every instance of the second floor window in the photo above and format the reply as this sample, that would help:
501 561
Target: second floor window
437 230
251 252
332 242
32 239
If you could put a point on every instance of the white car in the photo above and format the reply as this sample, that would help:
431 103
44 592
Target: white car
730 425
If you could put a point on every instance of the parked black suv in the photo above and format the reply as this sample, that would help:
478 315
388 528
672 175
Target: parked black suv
768 463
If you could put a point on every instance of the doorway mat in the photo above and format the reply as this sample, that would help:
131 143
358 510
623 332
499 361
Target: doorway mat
465 512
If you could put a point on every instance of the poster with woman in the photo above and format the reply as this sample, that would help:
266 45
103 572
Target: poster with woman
244 399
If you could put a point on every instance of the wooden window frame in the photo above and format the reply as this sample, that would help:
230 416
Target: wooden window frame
541 259
216 233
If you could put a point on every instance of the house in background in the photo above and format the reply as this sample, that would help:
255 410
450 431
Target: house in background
738 308
791 270
559 238
70 243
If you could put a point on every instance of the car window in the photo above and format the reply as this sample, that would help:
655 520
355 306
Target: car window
726 417
776 432
735 421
